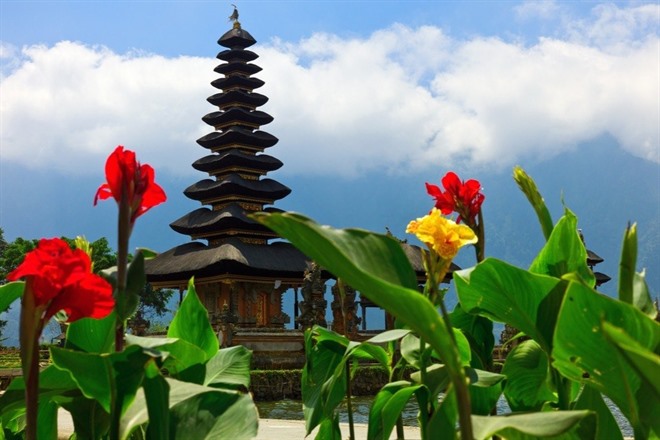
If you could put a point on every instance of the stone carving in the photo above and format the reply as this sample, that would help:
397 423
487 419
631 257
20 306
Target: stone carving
226 324
312 307
346 322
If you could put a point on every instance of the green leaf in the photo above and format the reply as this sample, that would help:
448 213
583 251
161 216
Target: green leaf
591 399
479 332
135 282
329 429
229 367
388 336
46 420
157 395
52 382
9 293
322 384
527 369
528 187
564 252
485 390
627 264
104 377
443 421
184 360
437 378
198 412
582 347
387 406
92 335
504 293
535 425
645 363
378 268
90 420
191 323
642 296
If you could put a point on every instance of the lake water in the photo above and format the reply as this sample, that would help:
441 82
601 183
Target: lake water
292 410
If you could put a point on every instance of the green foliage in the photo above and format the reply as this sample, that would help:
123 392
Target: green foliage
582 344
145 387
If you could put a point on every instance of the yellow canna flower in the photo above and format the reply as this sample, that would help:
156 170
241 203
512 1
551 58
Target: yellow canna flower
442 235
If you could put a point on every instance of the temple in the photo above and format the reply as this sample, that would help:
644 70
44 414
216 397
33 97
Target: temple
240 272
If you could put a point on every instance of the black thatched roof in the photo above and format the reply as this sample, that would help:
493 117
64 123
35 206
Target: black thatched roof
593 258
236 38
233 136
236 115
238 67
231 259
234 185
235 158
237 82
239 54
204 221
235 259
238 97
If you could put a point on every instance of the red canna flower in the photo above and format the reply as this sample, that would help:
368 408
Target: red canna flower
129 180
60 278
464 198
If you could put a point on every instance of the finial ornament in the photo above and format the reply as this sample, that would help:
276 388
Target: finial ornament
234 16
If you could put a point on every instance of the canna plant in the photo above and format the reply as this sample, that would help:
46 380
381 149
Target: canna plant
582 345
117 386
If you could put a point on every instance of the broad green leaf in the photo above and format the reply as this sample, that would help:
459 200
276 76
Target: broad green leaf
329 429
643 361
591 399
642 296
46 420
442 423
564 252
504 293
105 377
184 360
92 335
528 384
479 332
378 268
536 425
388 336
90 420
191 323
485 390
229 367
627 264
322 390
135 282
157 396
387 406
91 372
52 382
9 293
582 348
437 378
198 412
528 187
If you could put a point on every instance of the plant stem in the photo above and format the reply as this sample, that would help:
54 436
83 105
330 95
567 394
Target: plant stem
30 329
123 235
349 405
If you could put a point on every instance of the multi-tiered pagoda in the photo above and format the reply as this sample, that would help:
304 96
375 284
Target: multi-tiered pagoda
239 275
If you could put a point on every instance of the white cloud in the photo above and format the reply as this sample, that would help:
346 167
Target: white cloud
401 100
536 8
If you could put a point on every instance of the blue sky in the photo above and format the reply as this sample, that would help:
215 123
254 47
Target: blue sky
395 92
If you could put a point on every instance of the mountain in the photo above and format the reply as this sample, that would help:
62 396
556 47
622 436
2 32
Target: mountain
603 185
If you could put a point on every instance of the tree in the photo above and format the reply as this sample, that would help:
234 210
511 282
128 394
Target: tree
153 302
